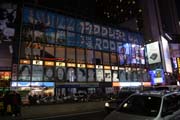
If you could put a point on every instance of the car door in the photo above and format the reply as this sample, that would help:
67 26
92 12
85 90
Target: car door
170 107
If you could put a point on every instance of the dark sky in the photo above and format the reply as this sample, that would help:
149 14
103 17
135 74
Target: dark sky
178 7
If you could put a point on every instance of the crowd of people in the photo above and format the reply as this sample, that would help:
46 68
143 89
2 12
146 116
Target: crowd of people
10 103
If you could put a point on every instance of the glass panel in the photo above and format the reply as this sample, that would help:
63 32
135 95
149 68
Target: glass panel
91 75
60 74
25 52
107 75
105 58
81 74
113 59
115 76
89 56
37 73
80 55
70 55
71 74
50 36
37 49
60 53
122 76
98 58
27 33
49 51
24 72
48 73
99 75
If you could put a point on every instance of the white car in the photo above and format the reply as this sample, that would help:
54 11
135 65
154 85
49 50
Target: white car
149 105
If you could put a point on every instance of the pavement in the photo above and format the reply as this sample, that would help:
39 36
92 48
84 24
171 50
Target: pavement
38 111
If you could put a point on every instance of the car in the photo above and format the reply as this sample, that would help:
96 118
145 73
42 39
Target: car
112 104
80 97
148 105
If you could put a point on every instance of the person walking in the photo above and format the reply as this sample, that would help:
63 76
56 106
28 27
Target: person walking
16 104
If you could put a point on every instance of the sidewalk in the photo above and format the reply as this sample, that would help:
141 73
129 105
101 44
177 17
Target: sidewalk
30 112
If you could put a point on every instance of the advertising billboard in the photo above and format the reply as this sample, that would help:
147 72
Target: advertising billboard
7 32
157 76
166 55
175 53
153 53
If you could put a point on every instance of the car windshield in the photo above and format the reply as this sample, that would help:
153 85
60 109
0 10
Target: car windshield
141 105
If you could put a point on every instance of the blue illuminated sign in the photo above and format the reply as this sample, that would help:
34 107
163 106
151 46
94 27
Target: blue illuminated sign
157 76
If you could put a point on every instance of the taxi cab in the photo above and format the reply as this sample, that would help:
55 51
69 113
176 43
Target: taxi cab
148 105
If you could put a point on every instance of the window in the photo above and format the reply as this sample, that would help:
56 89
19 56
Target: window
141 105
37 49
106 58
89 56
25 51
113 59
49 51
70 55
80 55
60 53
98 58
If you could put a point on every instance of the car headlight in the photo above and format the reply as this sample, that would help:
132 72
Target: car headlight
106 104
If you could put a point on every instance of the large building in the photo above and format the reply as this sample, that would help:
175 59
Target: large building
52 52
47 50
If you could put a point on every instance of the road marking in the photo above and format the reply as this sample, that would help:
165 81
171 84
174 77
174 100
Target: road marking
66 115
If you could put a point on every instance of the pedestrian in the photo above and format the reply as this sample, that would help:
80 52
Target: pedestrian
16 104
7 103
1 104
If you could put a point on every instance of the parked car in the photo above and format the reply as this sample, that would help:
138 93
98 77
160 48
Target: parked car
112 104
148 105
80 97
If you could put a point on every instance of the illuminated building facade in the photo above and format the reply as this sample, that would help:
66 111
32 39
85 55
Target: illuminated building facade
60 54
73 54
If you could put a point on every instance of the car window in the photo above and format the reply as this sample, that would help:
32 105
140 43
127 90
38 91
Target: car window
171 104
141 105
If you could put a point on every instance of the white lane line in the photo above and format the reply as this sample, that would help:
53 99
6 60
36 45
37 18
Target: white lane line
66 115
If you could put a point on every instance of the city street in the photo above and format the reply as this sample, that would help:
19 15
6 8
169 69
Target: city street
96 115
